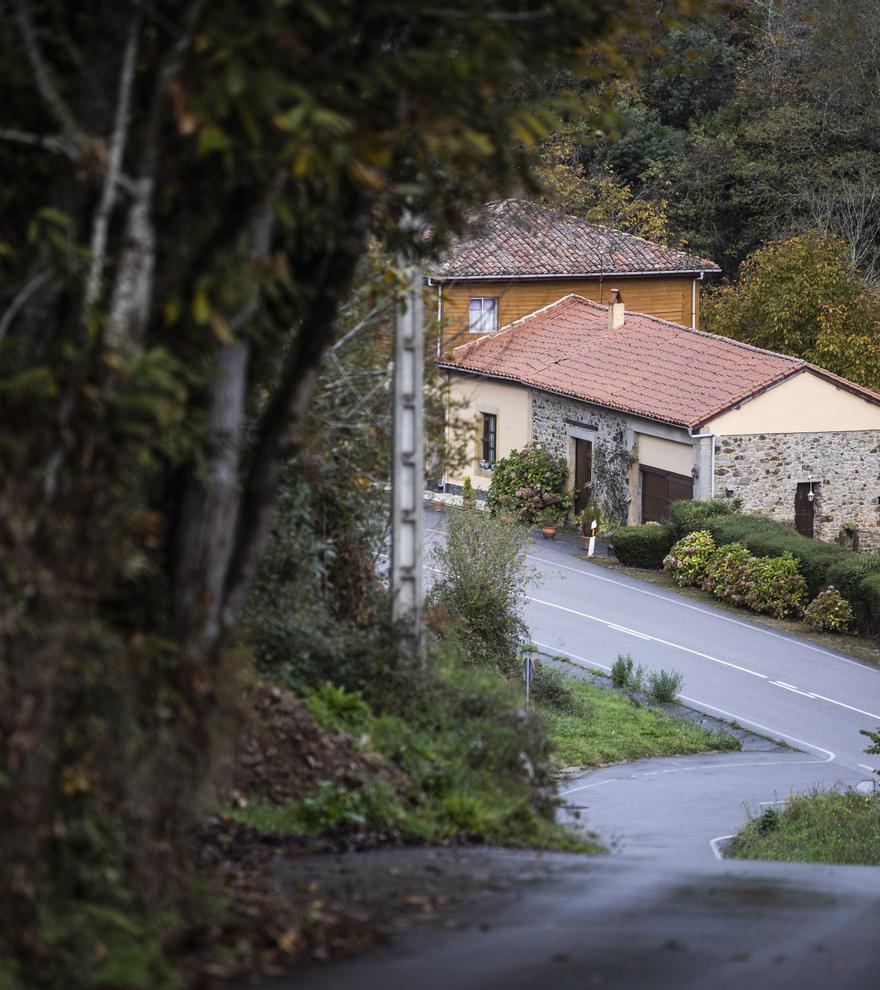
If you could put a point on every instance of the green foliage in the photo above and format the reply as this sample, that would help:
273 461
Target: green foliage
335 708
804 297
769 538
482 584
665 685
529 484
688 515
824 826
776 586
729 574
869 601
849 576
829 611
688 559
642 546
551 689
622 670
606 727
468 498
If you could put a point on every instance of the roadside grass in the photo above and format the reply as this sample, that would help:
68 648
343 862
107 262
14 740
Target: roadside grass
864 648
824 826
464 763
604 727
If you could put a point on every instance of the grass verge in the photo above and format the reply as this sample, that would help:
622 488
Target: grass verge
824 826
602 726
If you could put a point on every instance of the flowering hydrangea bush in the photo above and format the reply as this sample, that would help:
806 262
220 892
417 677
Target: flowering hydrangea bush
775 586
530 484
829 610
687 561
729 573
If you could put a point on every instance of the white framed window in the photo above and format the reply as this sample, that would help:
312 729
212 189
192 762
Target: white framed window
483 314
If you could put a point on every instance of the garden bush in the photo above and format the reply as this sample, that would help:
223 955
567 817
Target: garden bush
530 485
687 561
869 600
828 611
847 575
776 586
621 670
769 538
688 515
642 546
729 573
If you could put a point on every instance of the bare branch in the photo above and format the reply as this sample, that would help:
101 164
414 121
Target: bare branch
57 145
47 90
114 168
21 298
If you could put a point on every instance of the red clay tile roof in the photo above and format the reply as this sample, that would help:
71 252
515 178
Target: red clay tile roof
516 238
648 366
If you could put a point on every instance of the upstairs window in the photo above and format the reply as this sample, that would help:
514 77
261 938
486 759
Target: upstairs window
483 314
490 434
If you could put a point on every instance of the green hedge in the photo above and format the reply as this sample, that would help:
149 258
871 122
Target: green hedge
848 575
869 600
642 546
690 515
769 538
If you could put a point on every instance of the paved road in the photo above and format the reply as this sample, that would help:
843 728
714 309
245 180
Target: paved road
780 685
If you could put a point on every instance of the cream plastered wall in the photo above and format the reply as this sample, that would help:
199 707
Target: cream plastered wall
803 404
665 455
510 403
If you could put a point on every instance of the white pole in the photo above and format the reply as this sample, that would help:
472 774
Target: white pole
407 480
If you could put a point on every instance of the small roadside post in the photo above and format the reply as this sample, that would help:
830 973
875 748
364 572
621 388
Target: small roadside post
591 549
528 674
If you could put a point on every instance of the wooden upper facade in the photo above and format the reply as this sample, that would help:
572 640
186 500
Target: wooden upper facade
519 257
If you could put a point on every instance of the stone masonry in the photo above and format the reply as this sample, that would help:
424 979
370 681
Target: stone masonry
552 417
763 471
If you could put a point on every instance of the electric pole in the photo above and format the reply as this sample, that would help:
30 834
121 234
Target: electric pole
407 474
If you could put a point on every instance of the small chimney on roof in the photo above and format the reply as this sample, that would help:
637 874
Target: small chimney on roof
615 310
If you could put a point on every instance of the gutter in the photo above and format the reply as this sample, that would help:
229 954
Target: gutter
694 300
568 275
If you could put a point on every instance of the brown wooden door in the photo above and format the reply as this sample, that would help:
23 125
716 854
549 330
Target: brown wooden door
659 488
583 473
804 512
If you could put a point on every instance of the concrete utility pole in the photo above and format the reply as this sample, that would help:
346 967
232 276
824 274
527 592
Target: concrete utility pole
407 475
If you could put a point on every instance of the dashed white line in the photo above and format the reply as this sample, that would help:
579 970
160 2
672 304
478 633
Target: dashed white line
831 701
713 844
674 600
641 635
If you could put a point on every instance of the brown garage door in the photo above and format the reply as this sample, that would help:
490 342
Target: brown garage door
659 488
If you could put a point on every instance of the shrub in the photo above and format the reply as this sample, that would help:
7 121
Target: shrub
769 538
688 559
482 583
869 599
664 685
688 515
551 688
530 484
642 546
847 575
728 573
621 670
776 586
829 610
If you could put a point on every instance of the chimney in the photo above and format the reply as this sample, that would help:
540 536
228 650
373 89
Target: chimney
615 310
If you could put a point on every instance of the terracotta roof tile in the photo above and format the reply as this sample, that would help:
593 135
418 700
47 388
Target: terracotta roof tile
517 238
648 366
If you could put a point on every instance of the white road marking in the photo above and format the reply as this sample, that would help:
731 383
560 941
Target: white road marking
831 701
864 766
573 656
713 844
792 688
766 728
641 635
764 804
674 600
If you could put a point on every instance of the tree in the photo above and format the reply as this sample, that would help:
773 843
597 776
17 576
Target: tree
803 296
189 190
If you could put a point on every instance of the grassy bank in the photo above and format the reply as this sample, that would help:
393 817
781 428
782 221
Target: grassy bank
821 827
600 726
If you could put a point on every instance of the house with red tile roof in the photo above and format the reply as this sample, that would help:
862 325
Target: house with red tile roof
647 411
517 256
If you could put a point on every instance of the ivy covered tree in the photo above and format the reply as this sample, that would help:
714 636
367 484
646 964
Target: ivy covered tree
189 189
803 296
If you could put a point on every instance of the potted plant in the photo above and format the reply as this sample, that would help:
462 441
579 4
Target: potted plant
583 520
548 520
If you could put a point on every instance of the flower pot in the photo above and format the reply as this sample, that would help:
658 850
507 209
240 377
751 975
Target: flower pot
548 532
505 519
438 505
585 542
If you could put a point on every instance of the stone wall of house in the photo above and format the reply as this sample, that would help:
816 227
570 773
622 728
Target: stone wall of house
613 443
763 471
